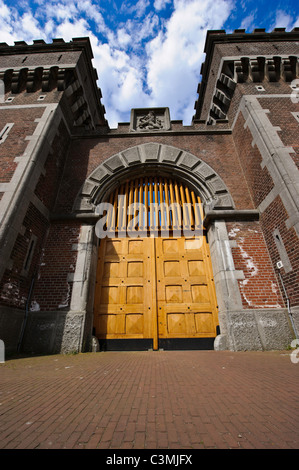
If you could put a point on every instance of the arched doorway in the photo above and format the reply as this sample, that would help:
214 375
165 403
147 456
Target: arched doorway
154 286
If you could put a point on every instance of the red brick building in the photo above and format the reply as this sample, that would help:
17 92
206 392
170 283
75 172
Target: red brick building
61 285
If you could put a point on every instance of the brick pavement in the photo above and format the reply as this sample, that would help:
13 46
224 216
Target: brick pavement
150 400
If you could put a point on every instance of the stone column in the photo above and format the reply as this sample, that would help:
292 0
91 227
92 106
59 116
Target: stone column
225 278
79 319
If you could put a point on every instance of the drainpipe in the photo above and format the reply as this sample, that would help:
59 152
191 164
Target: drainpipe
288 300
26 314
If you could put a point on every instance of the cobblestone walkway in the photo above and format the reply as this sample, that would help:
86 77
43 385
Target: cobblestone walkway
150 400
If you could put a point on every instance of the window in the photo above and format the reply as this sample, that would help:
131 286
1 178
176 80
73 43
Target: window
4 132
296 116
29 255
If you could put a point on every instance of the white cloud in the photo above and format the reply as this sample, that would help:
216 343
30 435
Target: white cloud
138 9
59 11
4 11
176 55
284 20
121 81
30 27
123 38
68 30
161 4
163 72
15 26
248 22
142 30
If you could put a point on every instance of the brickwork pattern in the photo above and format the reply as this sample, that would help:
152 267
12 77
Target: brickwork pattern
280 114
260 287
14 287
37 59
151 400
49 182
250 88
53 289
260 183
274 218
15 145
258 179
217 151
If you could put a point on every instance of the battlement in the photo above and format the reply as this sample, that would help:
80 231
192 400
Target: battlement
242 57
58 66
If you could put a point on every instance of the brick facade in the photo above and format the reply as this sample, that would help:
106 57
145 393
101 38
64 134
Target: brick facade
59 158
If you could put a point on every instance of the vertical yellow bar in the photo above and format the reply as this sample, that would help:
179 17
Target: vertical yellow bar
120 207
166 198
130 202
125 207
151 203
195 210
110 220
156 199
146 203
178 205
183 203
140 203
189 206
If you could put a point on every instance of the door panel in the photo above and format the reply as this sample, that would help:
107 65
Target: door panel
155 288
185 298
124 297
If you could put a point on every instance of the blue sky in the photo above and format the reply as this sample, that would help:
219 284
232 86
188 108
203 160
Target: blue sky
147 53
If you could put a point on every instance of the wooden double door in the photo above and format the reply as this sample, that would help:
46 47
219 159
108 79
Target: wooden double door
155 292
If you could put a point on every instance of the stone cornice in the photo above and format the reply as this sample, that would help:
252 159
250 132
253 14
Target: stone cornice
113 133
230 215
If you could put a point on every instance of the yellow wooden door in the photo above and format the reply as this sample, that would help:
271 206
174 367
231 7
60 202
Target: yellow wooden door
125 297
186 302
157 287
154 289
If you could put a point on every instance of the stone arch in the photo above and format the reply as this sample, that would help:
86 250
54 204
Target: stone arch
161 159
164 160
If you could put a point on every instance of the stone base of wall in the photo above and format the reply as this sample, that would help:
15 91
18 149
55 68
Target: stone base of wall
64 332
295 318
11 322
54 332
253 330
45 332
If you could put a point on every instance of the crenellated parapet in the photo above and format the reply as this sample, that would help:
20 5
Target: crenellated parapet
37 78
249 69
58 67
243 58
273 69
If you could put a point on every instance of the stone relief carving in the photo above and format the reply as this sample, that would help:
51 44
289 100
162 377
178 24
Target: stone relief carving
150 121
